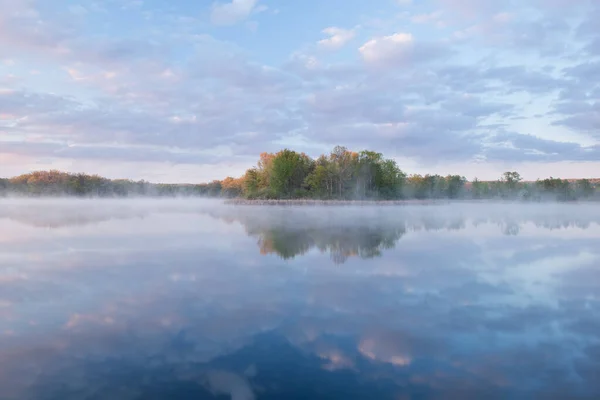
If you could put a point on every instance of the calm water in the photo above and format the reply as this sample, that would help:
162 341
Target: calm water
192 300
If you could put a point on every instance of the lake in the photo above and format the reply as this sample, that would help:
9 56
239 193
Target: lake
193 299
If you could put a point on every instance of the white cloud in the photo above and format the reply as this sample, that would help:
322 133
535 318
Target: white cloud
402 50
338 37
384 49
232 13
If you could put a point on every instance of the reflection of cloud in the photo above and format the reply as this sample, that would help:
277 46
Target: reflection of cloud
228 383
468 326
377 351
76 320
336 360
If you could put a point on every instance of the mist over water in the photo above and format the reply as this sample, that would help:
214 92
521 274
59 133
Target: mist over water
150 299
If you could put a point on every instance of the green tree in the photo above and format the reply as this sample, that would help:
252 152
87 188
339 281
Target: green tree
343 165
320 182
560 189
251 183
368 174
391 184
477 189
288 172
455 185
511 179
585 188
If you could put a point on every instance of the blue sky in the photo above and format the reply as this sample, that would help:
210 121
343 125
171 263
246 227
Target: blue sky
189 91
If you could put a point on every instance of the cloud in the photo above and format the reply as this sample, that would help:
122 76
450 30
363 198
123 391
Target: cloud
233 12
473 106
577 106
387 48
583 117
545 32
430 18
23 27
22 104
147 93
522 147
379 117
399 49
337 39
473 8
53 150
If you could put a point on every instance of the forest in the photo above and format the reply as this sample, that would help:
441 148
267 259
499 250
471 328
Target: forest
287 174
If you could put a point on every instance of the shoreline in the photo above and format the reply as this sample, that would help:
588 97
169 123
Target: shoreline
291 202
312 202
408 202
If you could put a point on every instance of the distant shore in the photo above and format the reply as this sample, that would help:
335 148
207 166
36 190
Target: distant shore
311 202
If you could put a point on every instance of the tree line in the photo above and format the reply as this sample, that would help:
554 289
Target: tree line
367 175
287 174
57 183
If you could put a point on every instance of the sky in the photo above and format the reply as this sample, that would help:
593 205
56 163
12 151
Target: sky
195 90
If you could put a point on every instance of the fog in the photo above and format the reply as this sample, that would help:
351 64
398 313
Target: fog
193 298
68 211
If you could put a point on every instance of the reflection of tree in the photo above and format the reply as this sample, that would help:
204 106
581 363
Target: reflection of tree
340 242
562 223
345 232
289 233
362 241
511 228
286 243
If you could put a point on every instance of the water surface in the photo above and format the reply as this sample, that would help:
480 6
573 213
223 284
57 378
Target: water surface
195 300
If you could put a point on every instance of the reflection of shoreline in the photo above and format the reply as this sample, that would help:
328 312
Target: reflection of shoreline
54 221
289 232
68 213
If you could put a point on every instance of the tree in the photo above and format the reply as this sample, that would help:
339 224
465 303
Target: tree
231 187
368 174
251 183
511 179
455 185
288 172
320 181
558 188
343 163
510 183
264 167
585 188
213 188
416 186
391 183
3 186
341 174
